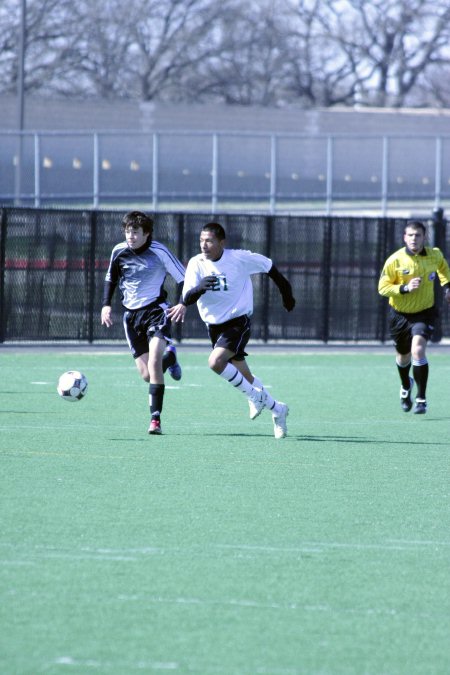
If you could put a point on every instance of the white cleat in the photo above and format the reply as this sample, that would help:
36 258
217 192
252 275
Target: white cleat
257 405
279 421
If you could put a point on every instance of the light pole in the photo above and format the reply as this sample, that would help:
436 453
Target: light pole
20 99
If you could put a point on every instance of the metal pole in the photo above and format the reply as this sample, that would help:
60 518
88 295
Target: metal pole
329 187
214 171
37 170
438 173
273 174
96 170
155 171
20 98
384 176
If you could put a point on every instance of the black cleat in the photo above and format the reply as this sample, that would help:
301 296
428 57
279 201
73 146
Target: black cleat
421 406
405 396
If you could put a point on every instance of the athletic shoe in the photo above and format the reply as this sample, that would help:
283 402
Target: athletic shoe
279 421
155 427
175 370
405 396
421 406
256 406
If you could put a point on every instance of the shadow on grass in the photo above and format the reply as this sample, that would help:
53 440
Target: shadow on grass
304 438
356 439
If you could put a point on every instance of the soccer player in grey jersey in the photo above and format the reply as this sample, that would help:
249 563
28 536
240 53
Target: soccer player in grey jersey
218 280
139 266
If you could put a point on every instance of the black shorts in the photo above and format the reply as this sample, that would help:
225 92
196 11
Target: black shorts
232 335
403 327
141 325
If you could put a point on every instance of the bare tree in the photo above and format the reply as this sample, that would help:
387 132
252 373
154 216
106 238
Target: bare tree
265 52
96 56
247 63
9 40
45 40
167 40
397 41
322 67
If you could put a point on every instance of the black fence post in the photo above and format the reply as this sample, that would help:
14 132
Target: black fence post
438 223
439 227
91 274
385 229
326 280
181 230
2 273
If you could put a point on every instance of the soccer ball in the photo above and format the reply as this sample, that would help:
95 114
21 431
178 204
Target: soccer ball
72 386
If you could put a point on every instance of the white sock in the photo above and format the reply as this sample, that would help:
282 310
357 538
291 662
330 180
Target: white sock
257 383
234 377
271 403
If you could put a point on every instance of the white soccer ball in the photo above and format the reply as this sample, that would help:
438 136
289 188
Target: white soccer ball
72 386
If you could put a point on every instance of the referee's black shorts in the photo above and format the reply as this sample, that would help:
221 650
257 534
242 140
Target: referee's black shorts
404 326
232 335
141 325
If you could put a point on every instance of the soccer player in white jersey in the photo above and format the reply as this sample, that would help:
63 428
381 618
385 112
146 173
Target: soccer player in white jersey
139 266
219 280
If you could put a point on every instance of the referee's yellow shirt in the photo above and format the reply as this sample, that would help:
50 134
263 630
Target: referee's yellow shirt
401 267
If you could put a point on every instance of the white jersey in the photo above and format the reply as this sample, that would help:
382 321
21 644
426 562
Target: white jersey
232 296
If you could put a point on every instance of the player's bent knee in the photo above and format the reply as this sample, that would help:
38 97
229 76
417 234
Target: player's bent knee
216 364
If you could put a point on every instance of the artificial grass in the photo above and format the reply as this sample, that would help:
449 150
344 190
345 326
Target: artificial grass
216 548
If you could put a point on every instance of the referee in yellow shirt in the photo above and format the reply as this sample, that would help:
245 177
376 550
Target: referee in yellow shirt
407 280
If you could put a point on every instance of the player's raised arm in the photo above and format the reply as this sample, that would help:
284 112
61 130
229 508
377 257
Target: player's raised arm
284 287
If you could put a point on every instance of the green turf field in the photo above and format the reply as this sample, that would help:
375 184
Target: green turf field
216 549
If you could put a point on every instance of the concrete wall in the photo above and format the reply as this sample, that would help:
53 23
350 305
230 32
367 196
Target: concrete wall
42 114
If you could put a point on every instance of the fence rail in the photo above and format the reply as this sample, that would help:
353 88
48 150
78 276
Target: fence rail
217 172
53 264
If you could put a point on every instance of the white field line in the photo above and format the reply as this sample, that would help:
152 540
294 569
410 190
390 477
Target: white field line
135 554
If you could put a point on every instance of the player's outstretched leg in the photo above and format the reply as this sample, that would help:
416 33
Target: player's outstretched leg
420 372
405 396
235 378
171 364
156 398
254 409
279 410
279 420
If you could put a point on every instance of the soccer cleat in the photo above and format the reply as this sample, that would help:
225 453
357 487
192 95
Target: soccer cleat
405 396
257 405
175 370
279 421
421 406
155 426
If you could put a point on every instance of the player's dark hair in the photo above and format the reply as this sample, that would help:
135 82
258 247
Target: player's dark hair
138 219
216 228
417 225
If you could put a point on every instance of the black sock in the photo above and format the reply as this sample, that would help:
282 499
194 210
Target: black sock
403 371
156 399
169 359
420 373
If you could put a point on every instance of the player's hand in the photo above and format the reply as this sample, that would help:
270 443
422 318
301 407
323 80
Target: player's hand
447 295
177 313
288 302
414 284
207 282
106 316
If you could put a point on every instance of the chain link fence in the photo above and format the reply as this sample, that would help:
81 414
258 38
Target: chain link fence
53 265
223 171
